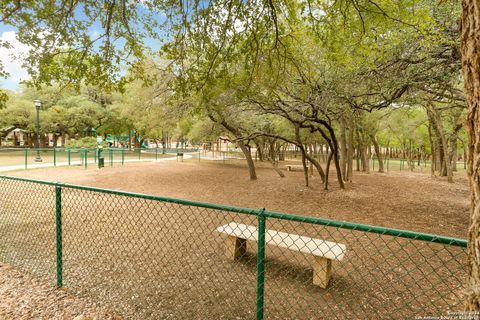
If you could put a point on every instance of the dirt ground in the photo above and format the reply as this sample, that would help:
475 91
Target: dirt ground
23 297
398 199
114 240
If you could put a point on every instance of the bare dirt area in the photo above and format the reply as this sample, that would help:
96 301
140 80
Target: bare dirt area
23 297
398 199
153 260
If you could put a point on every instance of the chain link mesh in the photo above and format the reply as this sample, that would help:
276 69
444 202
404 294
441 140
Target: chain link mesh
156 258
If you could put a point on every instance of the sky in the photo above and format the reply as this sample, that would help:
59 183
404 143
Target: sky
12 66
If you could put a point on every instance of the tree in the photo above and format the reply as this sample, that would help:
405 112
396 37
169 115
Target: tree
470 47
223 30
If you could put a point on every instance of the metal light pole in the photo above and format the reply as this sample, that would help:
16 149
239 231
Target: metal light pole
38 106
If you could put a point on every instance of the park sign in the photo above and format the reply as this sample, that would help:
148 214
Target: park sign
99 139
109 138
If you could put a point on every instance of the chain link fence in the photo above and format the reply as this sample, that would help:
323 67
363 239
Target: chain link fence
151 257
25 158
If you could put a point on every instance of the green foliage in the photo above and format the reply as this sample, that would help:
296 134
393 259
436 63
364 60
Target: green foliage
3 99
241 69
85 142
20 113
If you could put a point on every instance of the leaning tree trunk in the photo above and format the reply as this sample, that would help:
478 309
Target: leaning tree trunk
260 146
470 31
334 147
333 144
250 163
317 166
304 153
245 149
273 159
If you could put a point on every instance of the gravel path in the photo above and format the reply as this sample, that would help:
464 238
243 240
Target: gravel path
24 297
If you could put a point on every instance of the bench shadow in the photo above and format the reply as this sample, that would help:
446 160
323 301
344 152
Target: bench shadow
292 273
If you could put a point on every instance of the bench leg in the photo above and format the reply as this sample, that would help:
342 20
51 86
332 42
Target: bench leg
322 269
235 247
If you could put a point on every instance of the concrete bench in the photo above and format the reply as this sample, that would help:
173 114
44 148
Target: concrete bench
323 251
294 167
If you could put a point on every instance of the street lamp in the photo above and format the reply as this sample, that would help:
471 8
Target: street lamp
38 106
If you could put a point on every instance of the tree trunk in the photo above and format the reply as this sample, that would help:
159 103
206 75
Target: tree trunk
343 148
443 139
311 154
273 159
245 148
453 151
377 152
304 163
350 151
357 158
411 158
327 170
304 153
362 152
470 29
250 163
433 149
334 148
333 144
63 139
259 146
317 166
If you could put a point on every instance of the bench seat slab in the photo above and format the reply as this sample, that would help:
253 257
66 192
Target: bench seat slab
316 247
323 251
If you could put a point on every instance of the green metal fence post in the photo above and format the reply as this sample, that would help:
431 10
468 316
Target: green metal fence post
86 157
26 158
110 154
68 155
156 153
261 264
95 151
54 156
58 231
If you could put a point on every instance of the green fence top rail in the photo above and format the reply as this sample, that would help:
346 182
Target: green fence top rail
269 214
